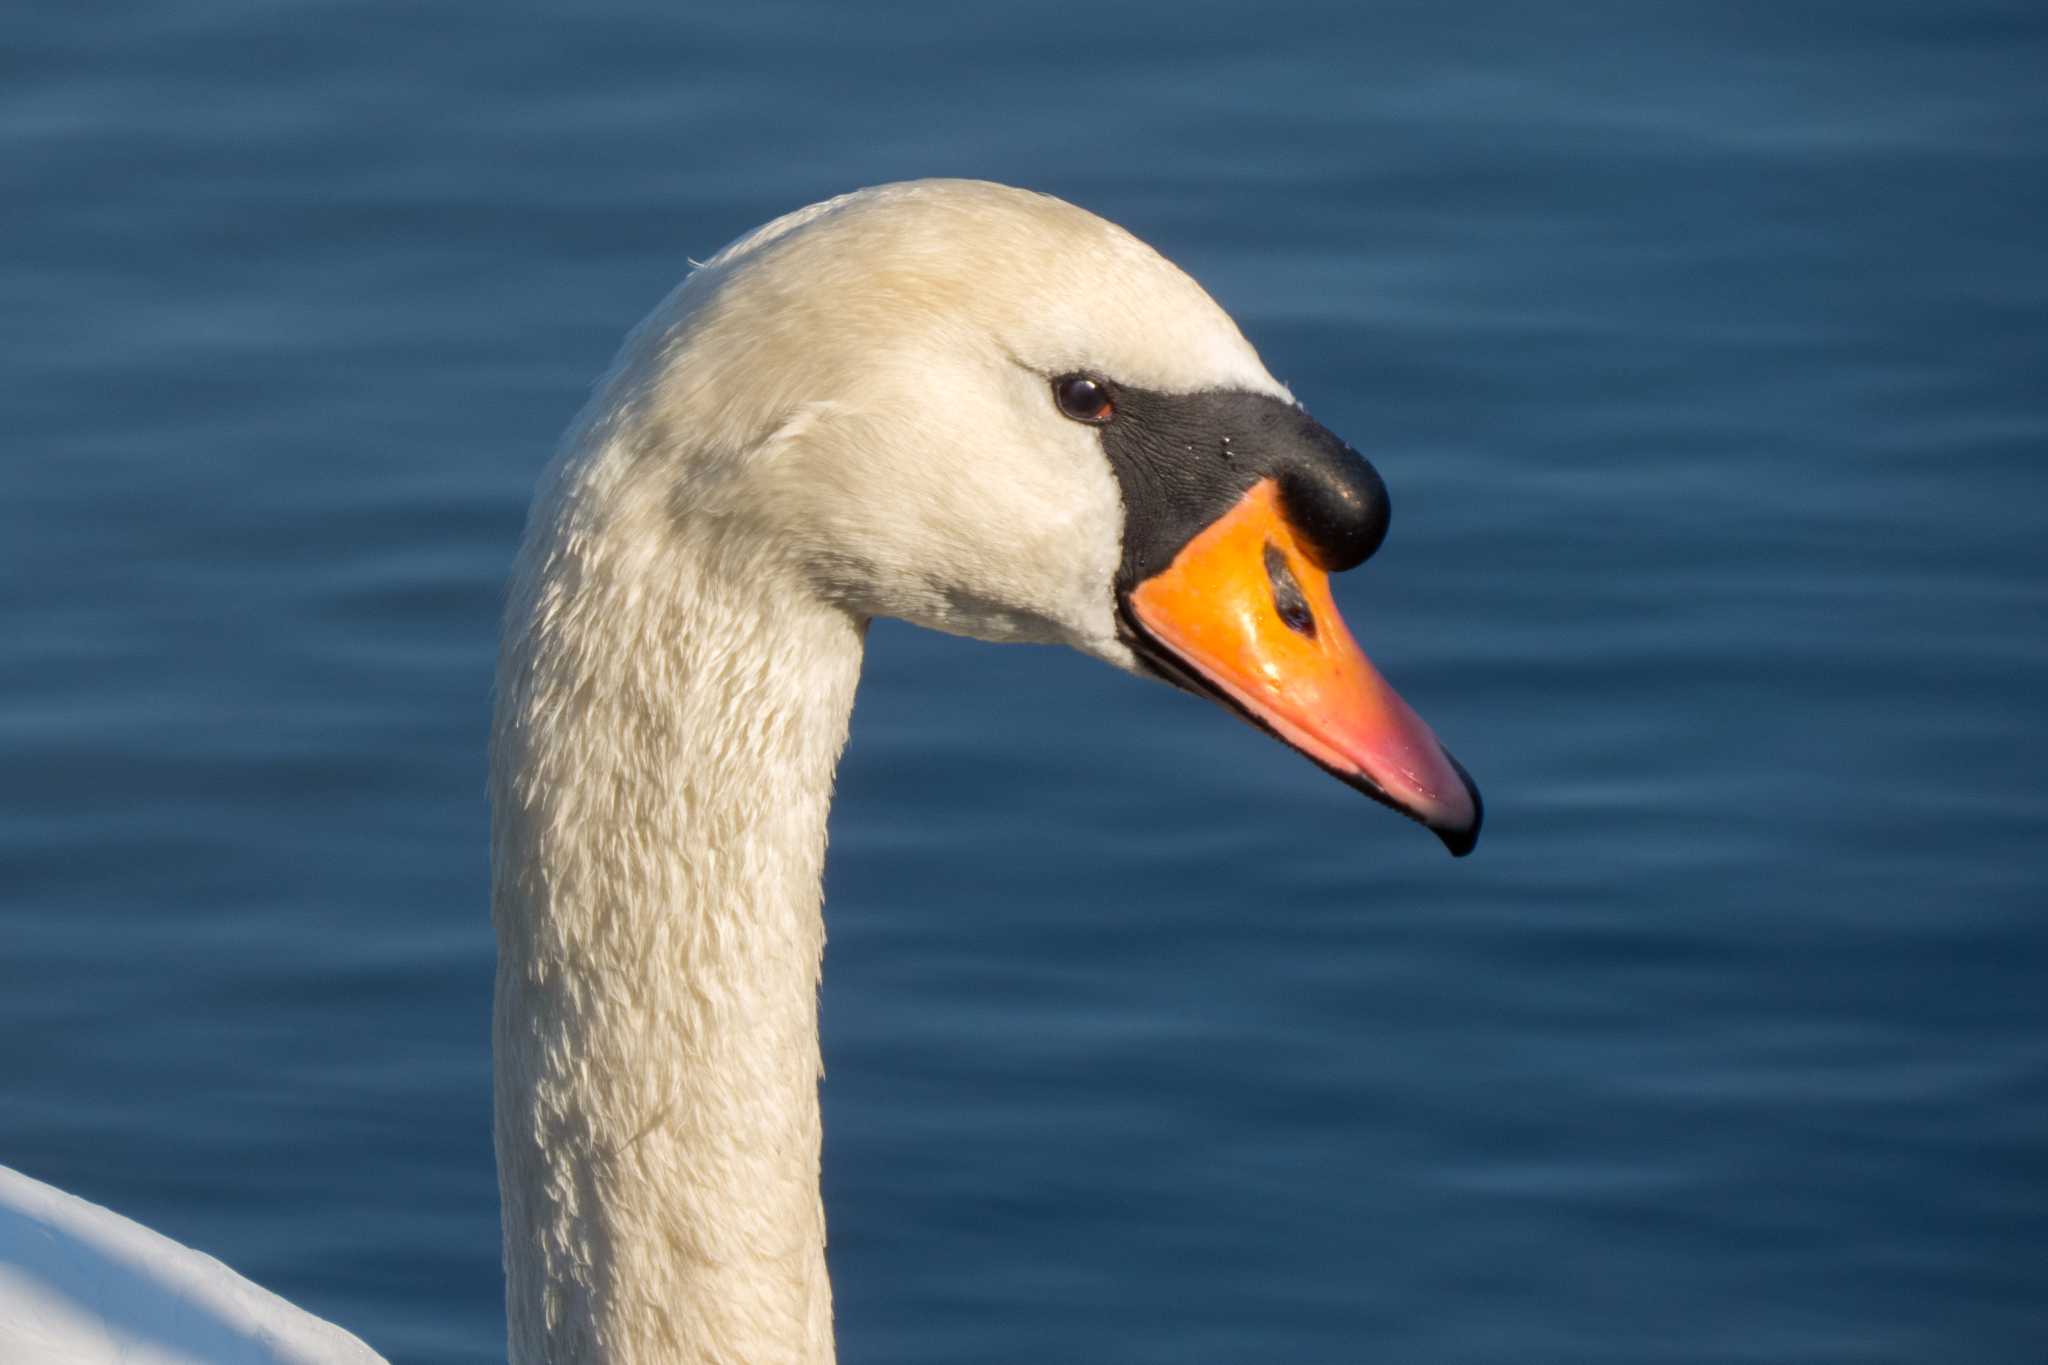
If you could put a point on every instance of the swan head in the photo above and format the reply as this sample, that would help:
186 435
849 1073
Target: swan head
992 413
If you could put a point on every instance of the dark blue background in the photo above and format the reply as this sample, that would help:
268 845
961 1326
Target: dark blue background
1703 346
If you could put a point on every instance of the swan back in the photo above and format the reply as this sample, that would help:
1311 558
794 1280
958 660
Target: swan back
81 1285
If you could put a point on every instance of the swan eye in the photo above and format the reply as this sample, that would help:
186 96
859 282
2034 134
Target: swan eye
1083 399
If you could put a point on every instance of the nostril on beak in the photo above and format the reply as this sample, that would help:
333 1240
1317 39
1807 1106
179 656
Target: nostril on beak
1292 607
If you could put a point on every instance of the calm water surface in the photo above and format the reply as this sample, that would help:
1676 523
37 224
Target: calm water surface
1703 347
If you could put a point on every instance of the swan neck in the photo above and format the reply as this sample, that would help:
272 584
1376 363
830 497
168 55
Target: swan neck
671 707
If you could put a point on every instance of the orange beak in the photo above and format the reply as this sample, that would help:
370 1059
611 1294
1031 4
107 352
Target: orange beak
1245 615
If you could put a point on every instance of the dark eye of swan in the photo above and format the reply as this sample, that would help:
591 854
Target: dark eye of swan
1083 399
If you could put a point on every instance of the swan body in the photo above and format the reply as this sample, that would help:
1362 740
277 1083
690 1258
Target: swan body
80 1285
970 407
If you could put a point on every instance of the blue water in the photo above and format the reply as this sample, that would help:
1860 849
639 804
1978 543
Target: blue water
1705 348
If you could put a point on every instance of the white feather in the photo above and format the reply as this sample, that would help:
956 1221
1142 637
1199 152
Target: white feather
80 1285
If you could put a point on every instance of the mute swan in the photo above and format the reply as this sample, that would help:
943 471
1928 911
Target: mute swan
971 407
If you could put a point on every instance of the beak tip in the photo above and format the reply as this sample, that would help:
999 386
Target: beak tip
1461 838
1459 841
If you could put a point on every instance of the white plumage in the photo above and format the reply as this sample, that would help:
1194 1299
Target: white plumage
80 1285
